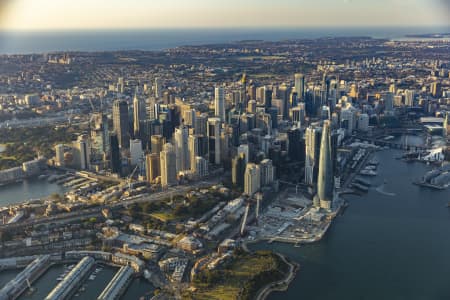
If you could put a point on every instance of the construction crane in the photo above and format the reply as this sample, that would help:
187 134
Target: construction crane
130 177
244 219
294 184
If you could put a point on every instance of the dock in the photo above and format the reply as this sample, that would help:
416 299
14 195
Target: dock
71 281
13 289
117 286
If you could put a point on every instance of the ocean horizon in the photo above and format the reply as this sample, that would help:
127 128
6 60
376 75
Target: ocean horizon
37 42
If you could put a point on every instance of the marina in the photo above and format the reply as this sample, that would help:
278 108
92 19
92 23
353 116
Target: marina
89 289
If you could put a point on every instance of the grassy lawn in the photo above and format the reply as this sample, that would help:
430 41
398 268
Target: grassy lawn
220 292
231 279
163 216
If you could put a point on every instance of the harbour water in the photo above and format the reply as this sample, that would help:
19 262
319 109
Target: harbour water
33 188
392 243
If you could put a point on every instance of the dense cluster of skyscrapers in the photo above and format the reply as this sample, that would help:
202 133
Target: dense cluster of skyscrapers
251 131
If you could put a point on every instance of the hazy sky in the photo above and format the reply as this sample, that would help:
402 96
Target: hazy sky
111 14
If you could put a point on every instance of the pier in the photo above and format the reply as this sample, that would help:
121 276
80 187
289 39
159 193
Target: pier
72 280
14 288
393 145
118 284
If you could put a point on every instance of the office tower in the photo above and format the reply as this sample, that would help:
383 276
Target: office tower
435 89
136 153
59 160
116 164
236 100
168 165
325 178
219 103
325 113
147 128
259 96
278 104
158 89
293 99
182 148
152 167
347 120
238 170
298 115
168 98
244 149
273 112
214 140
312 150
409 98
252 179
81 153
283 95
363 123
334 120
296 148
266 143
251 106
120 122
99 134
264 121
247 123
139 114
194 149
152 108
201 124
201 167
251 90
299 83
189 117
267 97
243 89
389 104
225 157
120 84
267 172
157 142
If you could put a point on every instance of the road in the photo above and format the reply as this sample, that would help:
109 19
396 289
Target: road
95 211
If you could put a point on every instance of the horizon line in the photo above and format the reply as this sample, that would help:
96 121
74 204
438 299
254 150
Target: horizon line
374 26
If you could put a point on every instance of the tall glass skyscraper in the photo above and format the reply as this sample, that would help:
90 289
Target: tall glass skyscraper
325 177
120 122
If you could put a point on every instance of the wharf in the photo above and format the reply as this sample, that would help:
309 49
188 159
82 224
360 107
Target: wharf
429 185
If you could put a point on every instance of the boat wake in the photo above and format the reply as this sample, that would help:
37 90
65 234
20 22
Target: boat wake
381 190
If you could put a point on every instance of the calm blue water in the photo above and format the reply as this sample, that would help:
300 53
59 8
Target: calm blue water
41 42
32 188
385 246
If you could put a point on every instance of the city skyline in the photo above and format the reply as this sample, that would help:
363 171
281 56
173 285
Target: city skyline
50 15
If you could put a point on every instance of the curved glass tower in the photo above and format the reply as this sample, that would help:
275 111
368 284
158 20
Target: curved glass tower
325 177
